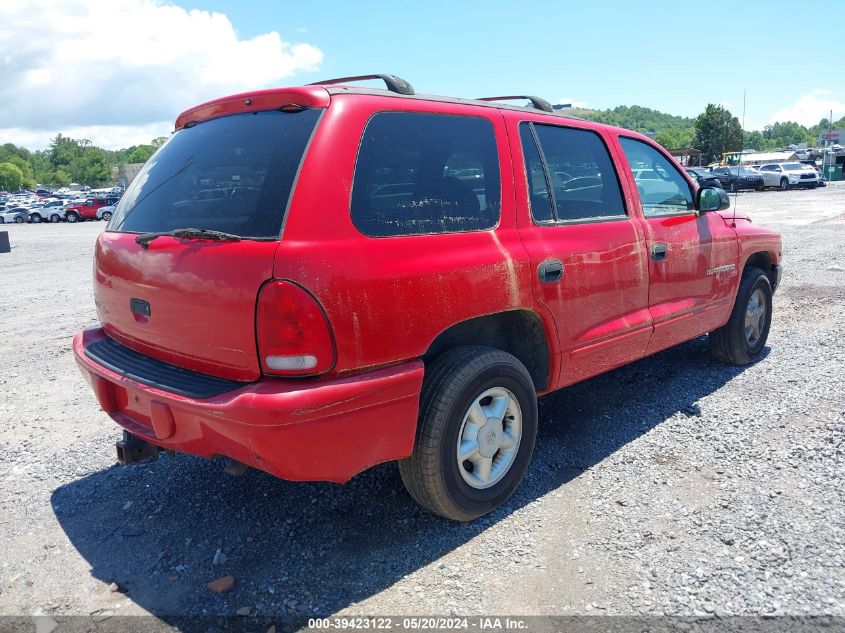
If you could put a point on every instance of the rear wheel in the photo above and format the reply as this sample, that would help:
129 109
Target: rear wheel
55 218
107 216
19 219
741 339
35 218
784 184
72 217
476 433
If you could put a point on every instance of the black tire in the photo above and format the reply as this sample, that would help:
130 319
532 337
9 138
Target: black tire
812 186
734 188
36 218
72 217
107 216
19 219
760 188
55 218
454 381
730 344
784 184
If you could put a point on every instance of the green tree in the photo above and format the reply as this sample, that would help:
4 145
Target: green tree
676 137
716 131
141 154
755 140
11 177
787 133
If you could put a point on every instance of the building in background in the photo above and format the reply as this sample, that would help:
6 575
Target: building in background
124 174
832 137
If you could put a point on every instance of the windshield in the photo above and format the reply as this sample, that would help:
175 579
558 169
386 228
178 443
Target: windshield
232 174
793 166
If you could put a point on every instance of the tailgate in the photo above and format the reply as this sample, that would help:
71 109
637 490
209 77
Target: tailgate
185 302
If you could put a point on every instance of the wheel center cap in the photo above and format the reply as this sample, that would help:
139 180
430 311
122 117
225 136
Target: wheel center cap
490 438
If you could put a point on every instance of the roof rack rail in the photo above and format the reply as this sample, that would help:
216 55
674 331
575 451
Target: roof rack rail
393 83
536 102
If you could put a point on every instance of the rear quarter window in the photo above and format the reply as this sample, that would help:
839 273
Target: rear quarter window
233 174
421 173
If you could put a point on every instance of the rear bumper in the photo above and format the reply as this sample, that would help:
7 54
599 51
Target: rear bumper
308 429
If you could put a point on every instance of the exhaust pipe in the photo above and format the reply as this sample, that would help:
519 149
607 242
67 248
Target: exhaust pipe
132 449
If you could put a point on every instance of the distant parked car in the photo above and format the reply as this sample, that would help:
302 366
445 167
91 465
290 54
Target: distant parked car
738 178
817 167
788 175
88 209
50 209
704 177
17 215
105 213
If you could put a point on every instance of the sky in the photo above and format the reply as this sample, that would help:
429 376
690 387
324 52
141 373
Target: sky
118 72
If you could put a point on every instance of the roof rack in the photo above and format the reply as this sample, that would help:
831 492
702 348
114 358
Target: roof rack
536 102
393 83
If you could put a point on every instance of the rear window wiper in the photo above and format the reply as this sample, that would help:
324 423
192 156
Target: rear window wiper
200 234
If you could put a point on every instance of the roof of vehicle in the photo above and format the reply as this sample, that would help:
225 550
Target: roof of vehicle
320 94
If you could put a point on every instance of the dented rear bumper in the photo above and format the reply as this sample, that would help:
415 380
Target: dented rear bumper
310 429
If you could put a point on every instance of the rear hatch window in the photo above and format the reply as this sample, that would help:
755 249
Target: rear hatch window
232 174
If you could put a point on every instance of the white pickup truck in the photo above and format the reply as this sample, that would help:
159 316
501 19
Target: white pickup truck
788 175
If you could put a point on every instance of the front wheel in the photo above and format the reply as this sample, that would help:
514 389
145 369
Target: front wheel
107 216
35 218
741 339
476 433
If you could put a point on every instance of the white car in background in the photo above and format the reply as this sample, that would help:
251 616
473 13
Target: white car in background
105 213
51 210
788 175
16 215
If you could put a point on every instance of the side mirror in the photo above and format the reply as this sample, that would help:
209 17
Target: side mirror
711 199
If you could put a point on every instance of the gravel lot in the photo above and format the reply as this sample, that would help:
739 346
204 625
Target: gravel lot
674 485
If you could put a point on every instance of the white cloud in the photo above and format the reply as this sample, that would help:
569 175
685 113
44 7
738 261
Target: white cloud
108 66
105 136
810 109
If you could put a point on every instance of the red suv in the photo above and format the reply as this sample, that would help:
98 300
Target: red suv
88 209
314 280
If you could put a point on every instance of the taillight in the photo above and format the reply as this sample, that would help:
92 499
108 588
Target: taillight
294 338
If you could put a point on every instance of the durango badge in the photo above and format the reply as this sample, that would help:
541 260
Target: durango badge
721 269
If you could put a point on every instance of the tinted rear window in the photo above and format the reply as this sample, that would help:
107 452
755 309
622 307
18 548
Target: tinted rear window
426 173
232 174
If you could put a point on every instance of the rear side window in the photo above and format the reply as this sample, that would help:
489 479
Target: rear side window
663 190
579 184
426 173
232 174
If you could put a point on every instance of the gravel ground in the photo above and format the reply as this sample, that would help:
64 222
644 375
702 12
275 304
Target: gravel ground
672 486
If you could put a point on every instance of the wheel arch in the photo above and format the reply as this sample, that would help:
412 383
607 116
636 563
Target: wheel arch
765 262
520 333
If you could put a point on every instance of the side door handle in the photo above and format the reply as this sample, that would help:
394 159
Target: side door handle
550 271
659 251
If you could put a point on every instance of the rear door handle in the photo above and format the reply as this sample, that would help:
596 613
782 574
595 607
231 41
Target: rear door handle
550 271
659 251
